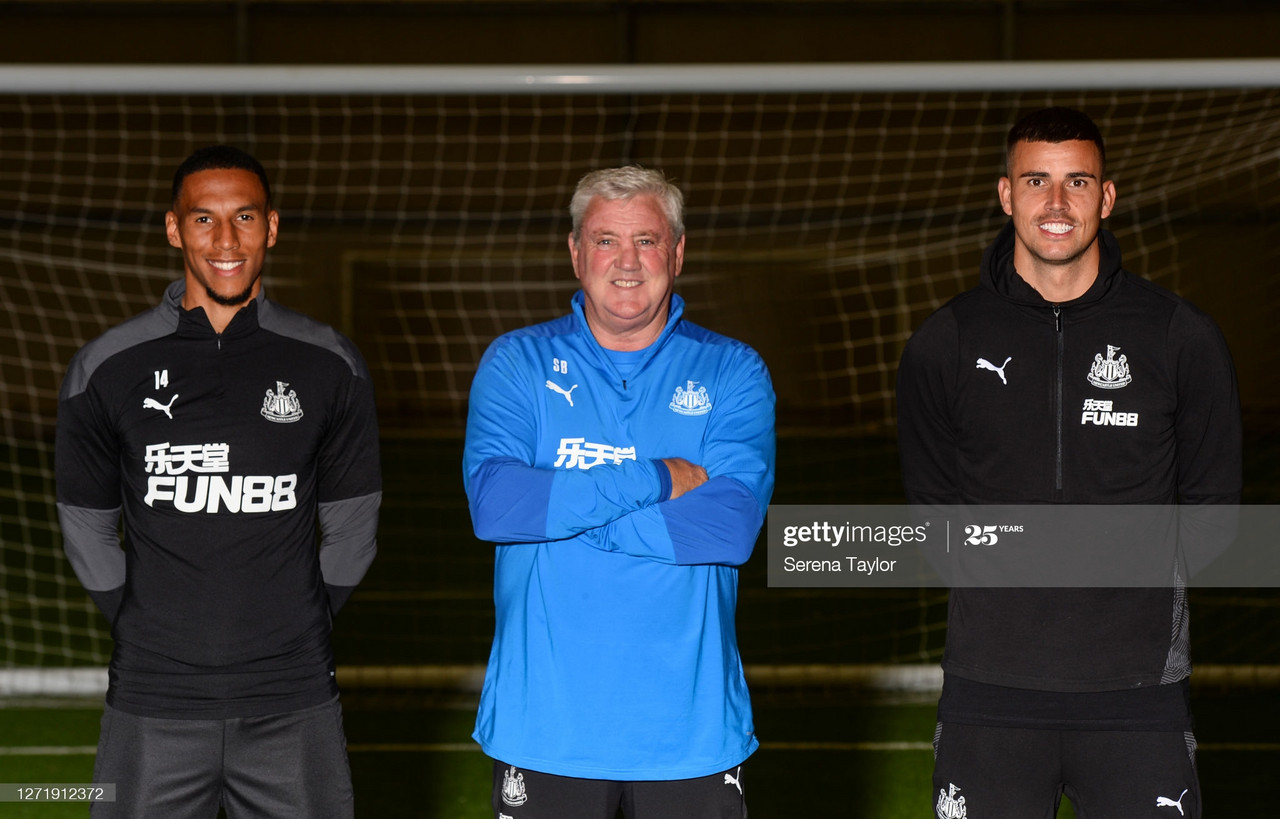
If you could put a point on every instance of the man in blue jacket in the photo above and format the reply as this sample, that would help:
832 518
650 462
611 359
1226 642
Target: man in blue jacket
622 460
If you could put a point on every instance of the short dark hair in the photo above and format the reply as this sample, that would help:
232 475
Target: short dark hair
1054 125
219 158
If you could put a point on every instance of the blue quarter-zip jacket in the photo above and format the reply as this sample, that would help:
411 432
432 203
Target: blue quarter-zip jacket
615 654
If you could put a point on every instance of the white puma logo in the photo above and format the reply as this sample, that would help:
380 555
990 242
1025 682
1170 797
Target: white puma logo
730 779
1166 802
566 393
983 364
151 403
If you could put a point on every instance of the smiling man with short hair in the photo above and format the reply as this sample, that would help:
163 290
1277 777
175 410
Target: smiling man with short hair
1075 691
621 459
220 427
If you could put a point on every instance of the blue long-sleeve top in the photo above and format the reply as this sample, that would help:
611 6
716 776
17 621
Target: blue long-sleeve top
615 655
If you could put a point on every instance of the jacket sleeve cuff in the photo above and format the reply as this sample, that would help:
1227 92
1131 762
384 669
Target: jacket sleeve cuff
108 601
664 478
338 596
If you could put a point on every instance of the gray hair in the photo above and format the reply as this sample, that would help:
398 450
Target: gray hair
625 183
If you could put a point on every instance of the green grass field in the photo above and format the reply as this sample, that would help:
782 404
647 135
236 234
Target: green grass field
411 757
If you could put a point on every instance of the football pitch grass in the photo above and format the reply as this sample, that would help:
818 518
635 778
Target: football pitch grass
412 757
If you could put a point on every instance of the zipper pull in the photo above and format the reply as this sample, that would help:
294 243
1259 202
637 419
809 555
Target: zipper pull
1057 317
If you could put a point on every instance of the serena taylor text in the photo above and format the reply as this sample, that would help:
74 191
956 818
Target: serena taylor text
851 563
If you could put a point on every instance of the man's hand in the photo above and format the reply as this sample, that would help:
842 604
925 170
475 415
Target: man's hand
685 476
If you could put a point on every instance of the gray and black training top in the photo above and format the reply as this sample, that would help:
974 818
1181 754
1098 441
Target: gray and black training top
223 450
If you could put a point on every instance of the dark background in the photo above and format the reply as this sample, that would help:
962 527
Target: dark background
640 31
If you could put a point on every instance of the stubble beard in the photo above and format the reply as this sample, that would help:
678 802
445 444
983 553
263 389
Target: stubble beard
231 301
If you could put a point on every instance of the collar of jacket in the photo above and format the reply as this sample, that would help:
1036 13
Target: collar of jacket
675 310
998 273
195 323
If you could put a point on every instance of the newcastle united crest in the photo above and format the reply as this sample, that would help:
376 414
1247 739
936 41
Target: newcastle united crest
281 407
690 401
1110 373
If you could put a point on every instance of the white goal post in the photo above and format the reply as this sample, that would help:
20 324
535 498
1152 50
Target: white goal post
1046 75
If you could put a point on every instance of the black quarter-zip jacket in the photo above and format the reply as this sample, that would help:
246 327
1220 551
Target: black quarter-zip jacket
1126 395
220 452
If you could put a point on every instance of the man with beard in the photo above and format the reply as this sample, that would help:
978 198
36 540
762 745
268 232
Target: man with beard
1075 691
220 426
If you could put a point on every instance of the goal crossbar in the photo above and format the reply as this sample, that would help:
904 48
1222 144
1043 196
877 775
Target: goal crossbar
635 79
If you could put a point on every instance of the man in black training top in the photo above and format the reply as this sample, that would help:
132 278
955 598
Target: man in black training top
1079 691
221 426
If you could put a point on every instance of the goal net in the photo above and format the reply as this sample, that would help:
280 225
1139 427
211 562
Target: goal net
424 212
